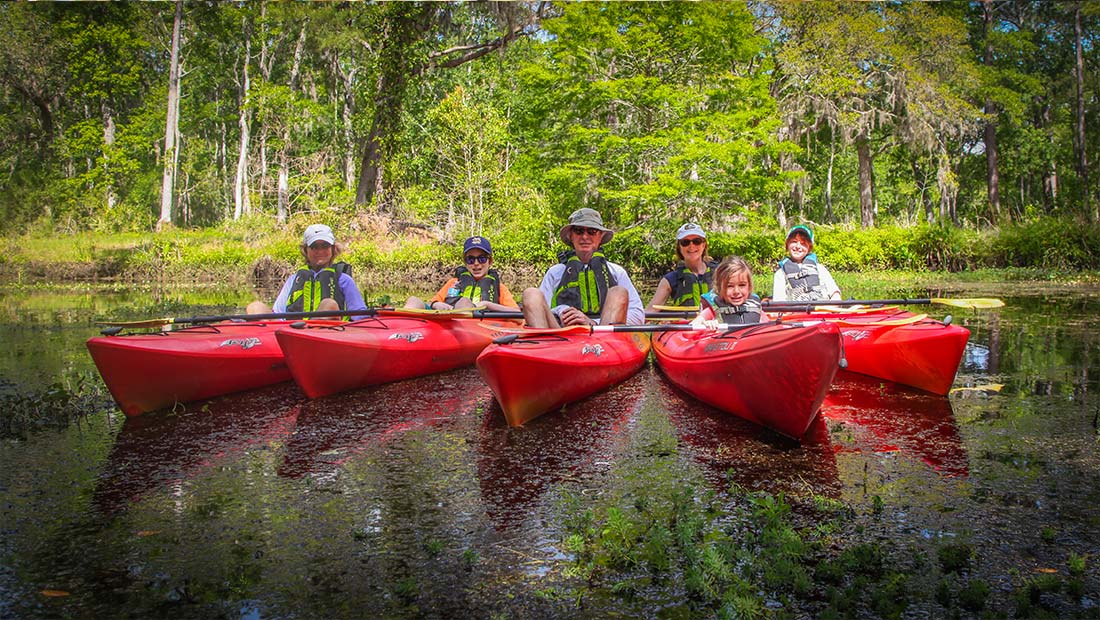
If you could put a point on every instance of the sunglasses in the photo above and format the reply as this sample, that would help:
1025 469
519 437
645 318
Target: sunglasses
693 241
470 260
591 232
320 245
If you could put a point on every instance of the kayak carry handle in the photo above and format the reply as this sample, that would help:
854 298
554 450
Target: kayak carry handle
299 324
505 339
111 331
947 320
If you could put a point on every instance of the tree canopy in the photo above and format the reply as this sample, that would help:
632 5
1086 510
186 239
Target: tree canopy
464 118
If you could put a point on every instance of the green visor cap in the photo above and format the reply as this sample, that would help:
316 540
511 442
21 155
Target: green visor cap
801 229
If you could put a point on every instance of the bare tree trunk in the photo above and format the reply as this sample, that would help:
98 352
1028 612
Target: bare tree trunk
283 191
920 177
171 129
993 175
241 203
829 177
1079 126
108 141
866 182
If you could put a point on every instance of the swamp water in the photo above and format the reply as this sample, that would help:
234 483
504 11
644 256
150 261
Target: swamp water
415 499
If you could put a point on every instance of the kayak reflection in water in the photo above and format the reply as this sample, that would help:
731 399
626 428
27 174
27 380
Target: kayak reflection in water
473 285
323 284
584 282
732 301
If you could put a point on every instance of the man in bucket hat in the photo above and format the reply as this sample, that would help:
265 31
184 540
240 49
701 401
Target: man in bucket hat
584 284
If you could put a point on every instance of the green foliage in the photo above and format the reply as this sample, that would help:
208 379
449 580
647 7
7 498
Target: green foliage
955 558
1048 242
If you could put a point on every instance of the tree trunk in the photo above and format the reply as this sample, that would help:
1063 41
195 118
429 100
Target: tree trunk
283 191
829 177
241 203
167 188
866 182
108 142
920 177
1079 125
992 176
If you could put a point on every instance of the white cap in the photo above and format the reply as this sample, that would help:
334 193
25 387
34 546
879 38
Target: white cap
318 232
690 229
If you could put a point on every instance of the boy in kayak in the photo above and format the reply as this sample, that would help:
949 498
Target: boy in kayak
476 284
693 275
732 300
323 284
584 282
800 277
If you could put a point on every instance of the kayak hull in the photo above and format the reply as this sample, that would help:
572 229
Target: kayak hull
329 359
149 371
538 373
774 375
925 354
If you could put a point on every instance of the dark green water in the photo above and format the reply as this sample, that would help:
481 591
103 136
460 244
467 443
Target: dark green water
415 499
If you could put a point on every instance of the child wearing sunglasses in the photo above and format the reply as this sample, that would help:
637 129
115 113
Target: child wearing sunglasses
800 277
693 275
474 284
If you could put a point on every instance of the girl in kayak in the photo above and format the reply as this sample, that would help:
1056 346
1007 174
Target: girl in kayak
475 285
800 277
692 277
732 300
323 284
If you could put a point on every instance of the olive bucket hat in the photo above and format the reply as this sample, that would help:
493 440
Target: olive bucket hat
585 218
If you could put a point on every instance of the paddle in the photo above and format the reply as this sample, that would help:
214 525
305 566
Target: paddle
645 328
319 314
978 303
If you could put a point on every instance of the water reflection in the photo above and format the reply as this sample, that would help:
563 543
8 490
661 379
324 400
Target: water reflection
732 450
887 417
162 450
516 466
333 429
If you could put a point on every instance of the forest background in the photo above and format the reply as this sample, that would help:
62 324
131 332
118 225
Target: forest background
142 140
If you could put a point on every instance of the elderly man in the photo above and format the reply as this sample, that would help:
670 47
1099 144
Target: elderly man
584 283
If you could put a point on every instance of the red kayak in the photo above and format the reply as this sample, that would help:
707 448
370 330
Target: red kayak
333 358
775 375
542 370
924 354
150 371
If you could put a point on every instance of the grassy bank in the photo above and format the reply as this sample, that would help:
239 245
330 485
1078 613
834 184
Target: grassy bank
387 257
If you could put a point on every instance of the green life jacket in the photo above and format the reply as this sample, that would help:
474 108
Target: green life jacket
310 288
485 289
583 287
803 280
689 287
748 312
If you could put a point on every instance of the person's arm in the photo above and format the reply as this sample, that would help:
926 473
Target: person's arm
635 311
779 286
353 299
827 281
664 289
507 301
284 295
441 295
549 281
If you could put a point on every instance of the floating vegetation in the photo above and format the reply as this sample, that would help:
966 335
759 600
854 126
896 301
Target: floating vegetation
55 406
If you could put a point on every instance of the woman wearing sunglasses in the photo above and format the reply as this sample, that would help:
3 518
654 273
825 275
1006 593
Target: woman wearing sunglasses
694 274
474 284
323 284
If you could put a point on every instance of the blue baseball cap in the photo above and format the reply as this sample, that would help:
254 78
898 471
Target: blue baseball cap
805 230
477 243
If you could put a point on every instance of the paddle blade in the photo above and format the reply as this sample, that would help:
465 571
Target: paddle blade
980 303
139 324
